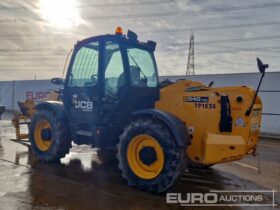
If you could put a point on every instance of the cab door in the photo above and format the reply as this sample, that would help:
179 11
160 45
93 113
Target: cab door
114 82
82 89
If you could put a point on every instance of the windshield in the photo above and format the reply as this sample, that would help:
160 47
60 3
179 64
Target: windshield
142 68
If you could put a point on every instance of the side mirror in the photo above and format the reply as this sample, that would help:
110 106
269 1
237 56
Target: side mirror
262 67
211 84
57 81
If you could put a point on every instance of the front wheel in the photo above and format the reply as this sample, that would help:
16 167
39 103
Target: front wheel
49 136
149 157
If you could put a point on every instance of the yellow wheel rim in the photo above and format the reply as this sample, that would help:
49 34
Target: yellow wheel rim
43 142
145 167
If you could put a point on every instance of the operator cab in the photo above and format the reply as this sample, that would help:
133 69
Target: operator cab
108 78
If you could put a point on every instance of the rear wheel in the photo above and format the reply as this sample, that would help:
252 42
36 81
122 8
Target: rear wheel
149 157
49 136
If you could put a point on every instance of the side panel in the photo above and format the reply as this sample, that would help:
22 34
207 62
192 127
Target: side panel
200 108
221 148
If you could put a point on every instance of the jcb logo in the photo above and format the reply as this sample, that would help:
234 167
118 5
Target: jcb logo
85 105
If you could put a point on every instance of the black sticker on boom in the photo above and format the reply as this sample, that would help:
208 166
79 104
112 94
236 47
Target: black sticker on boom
200 99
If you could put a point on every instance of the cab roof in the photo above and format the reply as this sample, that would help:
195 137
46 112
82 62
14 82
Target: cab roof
130 37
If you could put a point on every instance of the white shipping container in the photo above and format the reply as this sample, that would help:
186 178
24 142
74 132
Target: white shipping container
37 90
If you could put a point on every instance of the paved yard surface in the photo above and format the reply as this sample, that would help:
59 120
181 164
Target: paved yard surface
88 179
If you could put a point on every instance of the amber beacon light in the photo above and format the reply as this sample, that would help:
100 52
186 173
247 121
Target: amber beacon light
119 31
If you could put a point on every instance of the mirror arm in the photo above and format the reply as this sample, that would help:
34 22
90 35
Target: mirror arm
248 112
262 68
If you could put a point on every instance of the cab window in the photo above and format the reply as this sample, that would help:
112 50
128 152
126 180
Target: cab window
142 68
85 67
114 70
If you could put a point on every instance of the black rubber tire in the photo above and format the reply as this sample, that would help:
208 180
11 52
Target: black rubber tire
60 136
174 156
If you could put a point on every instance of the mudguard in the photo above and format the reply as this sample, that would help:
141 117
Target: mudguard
56 106
176 126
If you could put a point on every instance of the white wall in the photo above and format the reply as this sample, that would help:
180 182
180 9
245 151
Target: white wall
6 94
14 91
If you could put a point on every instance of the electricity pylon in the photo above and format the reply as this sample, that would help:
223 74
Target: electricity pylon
190 65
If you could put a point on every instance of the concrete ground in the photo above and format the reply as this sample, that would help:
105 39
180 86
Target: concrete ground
87 179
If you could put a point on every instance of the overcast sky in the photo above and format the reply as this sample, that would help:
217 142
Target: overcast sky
36 35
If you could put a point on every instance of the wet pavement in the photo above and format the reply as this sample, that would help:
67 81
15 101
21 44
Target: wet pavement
89 179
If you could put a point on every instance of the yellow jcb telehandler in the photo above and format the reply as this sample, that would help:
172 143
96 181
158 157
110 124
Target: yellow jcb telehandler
111 100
